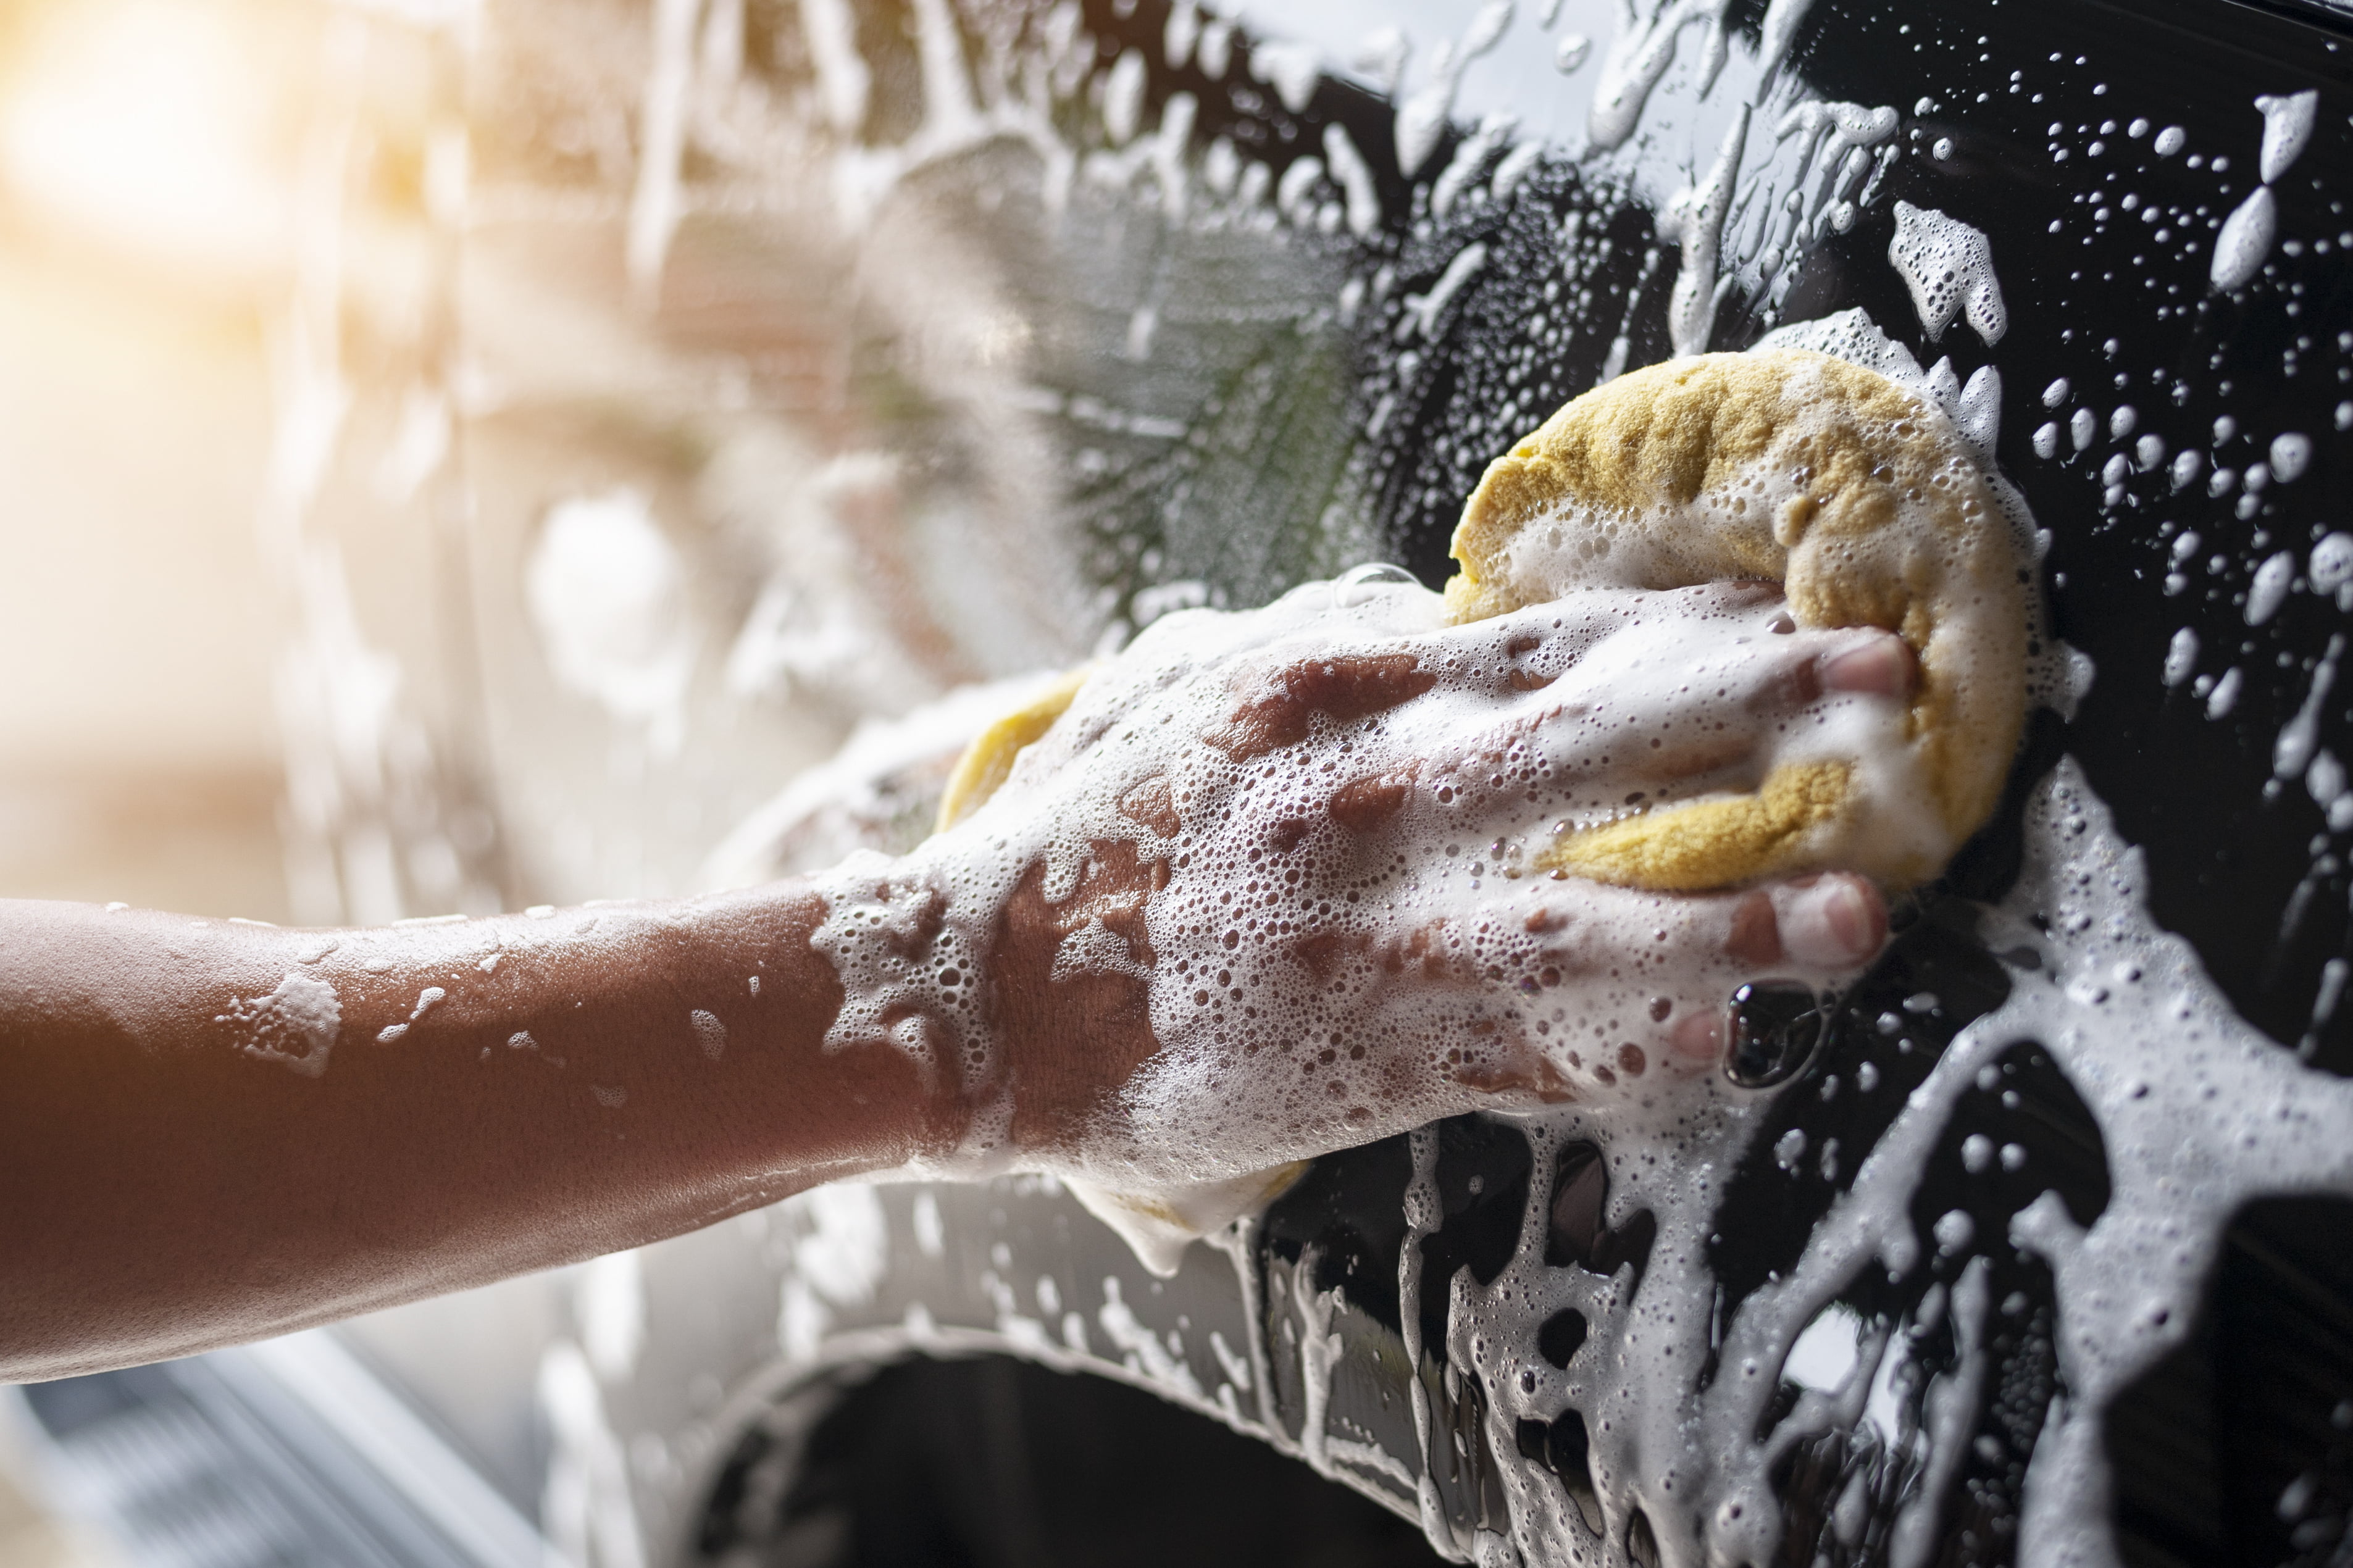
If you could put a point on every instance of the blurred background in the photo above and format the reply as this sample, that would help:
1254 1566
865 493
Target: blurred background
352 572
147 162
457 455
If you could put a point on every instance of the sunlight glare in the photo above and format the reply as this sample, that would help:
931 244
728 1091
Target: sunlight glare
143 121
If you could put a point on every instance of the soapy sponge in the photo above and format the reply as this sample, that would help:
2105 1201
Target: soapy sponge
1856 495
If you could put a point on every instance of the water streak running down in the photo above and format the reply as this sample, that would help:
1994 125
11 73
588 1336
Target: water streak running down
2226 1117
2245 242
1695 220
1422 117
2287 127
1637 59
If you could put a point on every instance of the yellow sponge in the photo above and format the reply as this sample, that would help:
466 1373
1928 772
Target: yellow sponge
989 759
1805 470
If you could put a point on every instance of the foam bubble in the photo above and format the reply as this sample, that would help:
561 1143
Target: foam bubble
2245 241
1328 812
295 1026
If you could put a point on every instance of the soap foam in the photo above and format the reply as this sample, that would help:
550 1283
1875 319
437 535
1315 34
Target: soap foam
2225 1117
1340 800
1337 805
295 1026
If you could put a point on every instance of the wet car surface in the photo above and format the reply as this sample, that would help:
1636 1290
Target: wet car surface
972 340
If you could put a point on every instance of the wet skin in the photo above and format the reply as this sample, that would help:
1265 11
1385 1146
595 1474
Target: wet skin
1068 1104
170 1190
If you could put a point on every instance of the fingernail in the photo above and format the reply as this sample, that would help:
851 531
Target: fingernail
1756 936
1882 666
1834 924
1849 915
1697 1039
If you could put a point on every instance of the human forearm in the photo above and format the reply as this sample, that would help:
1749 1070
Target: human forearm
187 1164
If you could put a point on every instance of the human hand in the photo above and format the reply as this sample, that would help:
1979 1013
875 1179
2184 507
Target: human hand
1273 890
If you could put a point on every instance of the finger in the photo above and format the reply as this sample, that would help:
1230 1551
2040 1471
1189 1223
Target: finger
1837 921
1697 1039
1830 923
1834 924
1881 665
1864 661
1754 939
1680 955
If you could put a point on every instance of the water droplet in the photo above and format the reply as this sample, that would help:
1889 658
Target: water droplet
1776 1024
2269 589
2332 562
2290 454
1359 584
2181 657
1955 1231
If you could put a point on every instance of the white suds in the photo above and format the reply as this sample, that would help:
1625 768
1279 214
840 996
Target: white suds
1949 264
2231 1117
426 1001
1694 219
2245 241
294 1026
709 1033
2287 126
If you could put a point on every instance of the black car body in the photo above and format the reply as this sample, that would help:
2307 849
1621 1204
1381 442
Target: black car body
1091 311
